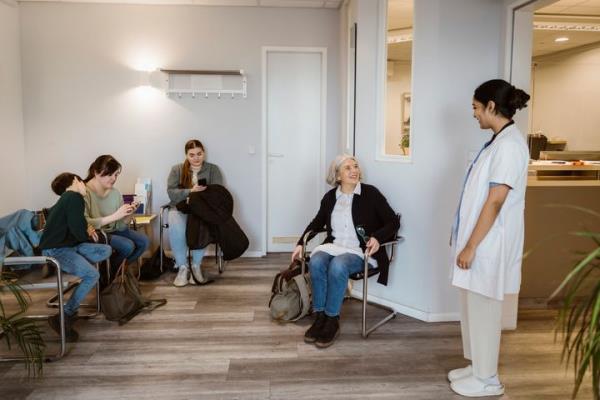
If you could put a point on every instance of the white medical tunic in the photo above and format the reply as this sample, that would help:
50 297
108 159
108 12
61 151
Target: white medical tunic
496 267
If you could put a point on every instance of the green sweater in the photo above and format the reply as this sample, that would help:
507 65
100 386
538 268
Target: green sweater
176 193
97 207
66 225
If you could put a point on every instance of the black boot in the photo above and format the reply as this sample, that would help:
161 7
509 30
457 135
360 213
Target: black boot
330 332
310 336
71 335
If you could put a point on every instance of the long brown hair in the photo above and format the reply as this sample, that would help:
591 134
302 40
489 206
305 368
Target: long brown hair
103 165
186 176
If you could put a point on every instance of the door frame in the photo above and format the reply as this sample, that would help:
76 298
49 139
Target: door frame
265 150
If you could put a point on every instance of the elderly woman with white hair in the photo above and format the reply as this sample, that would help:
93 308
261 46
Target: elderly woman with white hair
345 208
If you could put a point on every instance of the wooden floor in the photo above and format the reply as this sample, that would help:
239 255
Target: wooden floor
217 342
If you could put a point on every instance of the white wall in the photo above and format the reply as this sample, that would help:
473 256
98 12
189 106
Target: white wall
457 45
565 98
12 164
82 98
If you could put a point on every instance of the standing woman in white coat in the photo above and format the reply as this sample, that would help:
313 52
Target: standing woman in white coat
487 236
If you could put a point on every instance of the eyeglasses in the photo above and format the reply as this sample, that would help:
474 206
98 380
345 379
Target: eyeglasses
362 233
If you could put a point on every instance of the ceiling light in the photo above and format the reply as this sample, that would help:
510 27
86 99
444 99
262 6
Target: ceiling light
561 39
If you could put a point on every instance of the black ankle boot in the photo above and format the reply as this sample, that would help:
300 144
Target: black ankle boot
310 336
330 332
71 335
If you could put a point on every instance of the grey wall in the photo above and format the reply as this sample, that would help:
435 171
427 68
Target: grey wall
12 164
457 45
82 94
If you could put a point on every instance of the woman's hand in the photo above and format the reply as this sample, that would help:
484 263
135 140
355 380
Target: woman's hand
124 211
198 188
465 258
297 253
92 233
372 246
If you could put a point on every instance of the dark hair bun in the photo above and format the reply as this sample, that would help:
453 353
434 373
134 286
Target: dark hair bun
518 99
505 96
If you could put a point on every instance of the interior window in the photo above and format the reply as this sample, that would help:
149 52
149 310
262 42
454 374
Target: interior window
398 96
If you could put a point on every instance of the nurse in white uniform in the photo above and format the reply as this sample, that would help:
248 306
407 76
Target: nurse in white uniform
487 236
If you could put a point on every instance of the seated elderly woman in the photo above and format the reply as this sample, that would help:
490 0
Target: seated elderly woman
350 205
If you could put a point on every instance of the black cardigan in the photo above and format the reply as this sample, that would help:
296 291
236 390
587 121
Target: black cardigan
370 210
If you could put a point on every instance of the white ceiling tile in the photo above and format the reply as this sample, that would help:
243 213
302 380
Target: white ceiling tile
292 3
239 3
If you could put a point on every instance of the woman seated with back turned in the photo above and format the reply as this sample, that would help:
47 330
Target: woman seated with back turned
350 205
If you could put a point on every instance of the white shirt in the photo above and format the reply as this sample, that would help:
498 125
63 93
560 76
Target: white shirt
496 268
342 228
194 171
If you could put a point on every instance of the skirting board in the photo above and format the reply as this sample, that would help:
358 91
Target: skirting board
247 254
409 311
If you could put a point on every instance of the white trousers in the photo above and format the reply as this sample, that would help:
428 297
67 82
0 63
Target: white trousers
481 327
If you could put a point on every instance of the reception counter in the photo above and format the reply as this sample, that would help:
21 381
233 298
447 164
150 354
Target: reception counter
555 194
564 173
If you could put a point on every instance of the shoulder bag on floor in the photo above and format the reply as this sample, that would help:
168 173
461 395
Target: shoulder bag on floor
122 299
290 294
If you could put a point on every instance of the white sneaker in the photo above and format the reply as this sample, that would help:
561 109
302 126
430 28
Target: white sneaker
460 373
182 276
472 386
196 273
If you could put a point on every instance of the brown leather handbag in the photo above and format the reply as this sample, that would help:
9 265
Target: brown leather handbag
122 299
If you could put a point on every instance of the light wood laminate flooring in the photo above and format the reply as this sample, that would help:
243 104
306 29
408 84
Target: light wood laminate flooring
218 342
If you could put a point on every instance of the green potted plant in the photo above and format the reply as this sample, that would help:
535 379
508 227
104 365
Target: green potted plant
17 329
578 322
405 142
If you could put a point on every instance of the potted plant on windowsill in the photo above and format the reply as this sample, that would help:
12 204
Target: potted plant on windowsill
578 322
17 329
405 142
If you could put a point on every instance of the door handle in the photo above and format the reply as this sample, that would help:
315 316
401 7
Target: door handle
278 155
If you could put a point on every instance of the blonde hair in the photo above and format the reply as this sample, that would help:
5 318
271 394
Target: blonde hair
334 168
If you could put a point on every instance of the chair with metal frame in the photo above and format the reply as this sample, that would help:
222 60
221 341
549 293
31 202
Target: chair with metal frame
59 286
53 303
164 224
368 272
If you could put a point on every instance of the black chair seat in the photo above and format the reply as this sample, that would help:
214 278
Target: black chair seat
360 275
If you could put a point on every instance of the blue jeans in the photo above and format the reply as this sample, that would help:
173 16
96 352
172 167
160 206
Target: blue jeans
178 240
78 261
128 245
329 279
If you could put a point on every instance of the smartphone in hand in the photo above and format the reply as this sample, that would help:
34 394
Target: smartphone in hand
202 182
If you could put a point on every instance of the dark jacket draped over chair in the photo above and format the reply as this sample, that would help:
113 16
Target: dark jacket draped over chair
210 219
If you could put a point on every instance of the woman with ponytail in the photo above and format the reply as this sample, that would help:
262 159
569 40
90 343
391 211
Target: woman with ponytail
104 209
487 236
190 176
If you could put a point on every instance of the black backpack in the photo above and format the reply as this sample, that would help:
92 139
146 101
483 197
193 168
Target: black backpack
150 269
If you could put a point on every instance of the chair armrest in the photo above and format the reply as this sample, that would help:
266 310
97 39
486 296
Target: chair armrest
308 237
390 244
398 239
305 239
29 260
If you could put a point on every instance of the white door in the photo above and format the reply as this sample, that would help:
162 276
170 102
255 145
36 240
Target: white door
294 100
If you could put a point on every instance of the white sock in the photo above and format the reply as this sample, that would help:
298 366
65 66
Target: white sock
492 380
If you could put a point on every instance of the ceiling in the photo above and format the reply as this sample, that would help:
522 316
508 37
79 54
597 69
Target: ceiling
236 3
572 7
579 20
